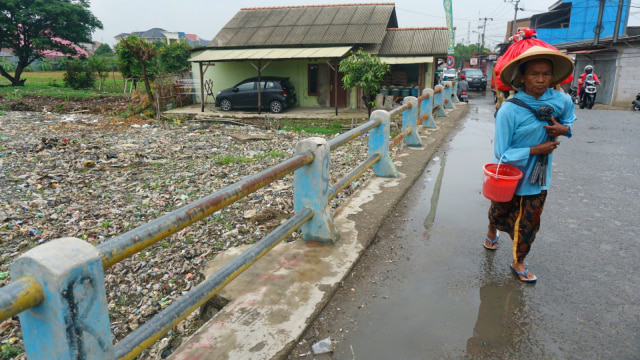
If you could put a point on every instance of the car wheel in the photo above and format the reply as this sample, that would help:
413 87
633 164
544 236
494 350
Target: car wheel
225 105
275 107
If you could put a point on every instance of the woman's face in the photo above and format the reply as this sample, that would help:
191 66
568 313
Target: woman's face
537 77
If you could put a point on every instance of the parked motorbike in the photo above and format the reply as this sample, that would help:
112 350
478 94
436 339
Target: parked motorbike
573 92
589 97
636 103
464 96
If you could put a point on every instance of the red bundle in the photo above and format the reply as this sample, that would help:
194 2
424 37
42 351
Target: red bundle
522 40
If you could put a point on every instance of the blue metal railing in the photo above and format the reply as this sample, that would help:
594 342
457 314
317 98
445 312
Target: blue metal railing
59 290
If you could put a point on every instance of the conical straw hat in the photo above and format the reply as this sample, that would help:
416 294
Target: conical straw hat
562 65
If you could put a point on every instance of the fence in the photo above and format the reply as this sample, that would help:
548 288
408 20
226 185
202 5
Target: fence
59 290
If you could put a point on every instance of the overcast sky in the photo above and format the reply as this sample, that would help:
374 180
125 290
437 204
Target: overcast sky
206 17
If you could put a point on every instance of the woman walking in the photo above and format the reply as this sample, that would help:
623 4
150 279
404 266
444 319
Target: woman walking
526 139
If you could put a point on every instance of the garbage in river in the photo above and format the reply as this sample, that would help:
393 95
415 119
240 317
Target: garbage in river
93 178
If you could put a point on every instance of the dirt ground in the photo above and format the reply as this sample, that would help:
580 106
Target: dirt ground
108 105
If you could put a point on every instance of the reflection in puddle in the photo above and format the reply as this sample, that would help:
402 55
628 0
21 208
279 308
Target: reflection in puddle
435 194
502 322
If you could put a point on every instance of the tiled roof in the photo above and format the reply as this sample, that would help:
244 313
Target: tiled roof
308 25
414 41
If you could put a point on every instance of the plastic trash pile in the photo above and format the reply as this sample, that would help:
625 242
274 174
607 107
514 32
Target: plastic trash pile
90 177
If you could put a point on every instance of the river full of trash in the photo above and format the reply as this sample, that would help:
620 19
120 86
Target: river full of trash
94 177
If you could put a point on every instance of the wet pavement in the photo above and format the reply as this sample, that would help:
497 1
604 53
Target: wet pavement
427 289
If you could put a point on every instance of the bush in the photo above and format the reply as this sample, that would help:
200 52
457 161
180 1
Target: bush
78 74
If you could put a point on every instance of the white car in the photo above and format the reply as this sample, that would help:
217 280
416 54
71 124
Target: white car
449 75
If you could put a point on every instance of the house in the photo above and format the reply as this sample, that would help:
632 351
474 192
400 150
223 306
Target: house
167 37
578 20
195 40
571 27
615 61
306 44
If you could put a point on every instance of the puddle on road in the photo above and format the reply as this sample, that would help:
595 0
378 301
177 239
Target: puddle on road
451 298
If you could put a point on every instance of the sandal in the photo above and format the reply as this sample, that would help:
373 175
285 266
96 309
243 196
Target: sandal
492 242
524 275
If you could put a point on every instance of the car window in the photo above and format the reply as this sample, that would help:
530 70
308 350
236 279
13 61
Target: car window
286 84
270 85
449 73
246 86
473 72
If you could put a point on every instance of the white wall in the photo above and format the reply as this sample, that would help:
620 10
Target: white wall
627 77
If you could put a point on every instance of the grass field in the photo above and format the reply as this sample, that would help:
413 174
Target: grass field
51 83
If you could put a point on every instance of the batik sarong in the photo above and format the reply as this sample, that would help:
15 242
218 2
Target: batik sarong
520 218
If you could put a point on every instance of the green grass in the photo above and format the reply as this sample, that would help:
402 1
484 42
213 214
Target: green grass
228 159
8 351
333 128
51 83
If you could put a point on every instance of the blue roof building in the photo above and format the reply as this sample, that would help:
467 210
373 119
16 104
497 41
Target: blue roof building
572 21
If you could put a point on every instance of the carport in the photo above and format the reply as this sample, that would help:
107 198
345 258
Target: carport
260 58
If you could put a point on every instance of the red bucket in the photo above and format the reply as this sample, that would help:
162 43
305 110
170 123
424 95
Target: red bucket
500 181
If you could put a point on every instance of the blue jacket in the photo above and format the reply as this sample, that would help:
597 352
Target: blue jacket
518 129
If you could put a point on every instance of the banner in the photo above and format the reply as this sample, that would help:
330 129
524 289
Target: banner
450 50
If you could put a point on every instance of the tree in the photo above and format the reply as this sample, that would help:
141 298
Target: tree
103 49
79 74
175 58
99 65
46 65
143 52
366 71
29 27
464 53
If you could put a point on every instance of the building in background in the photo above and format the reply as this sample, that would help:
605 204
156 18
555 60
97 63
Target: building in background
167 37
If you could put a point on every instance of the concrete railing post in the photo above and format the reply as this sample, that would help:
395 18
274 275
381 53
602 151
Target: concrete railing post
311 190
379 143
426 108
446 98
454 93
410 120
72 322
438 98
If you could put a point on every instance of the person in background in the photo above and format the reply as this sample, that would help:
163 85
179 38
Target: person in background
521 139
463 85
588 70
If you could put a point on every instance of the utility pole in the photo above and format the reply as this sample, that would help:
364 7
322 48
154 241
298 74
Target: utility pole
618 18
484 27
515 15
469 30
598 27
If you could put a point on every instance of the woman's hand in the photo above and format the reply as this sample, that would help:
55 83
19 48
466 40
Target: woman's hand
556 129
544 148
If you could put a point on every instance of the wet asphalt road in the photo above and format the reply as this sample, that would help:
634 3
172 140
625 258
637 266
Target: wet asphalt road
437 294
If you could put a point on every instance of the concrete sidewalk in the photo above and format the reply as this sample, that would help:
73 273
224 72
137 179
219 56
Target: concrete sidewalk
272 303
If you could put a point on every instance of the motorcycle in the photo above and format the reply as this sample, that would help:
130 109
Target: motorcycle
636 103
589 96
464 97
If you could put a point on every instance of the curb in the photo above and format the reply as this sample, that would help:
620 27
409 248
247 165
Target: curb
275 300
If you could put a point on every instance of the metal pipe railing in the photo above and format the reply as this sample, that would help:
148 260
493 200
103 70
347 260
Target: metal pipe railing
396 140
156 327
146 235
18 296
352 134
351 176
400 109
27 292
